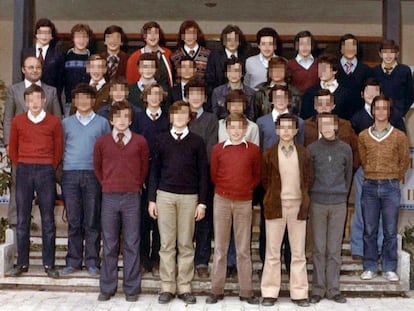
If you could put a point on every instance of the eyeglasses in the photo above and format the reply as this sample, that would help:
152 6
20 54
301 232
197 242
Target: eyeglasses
31 68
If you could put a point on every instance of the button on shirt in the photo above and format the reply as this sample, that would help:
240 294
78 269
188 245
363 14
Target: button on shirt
84 120
125 139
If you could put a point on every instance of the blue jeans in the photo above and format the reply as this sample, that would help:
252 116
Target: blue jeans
39 178
82 196
380 198
357 223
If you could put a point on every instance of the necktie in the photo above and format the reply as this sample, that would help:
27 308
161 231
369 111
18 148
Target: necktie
348 67
192 53
154 116
120 141
388 70
193 115
178 135
41 59
95 85
112 66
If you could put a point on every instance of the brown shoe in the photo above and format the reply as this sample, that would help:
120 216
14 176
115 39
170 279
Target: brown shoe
202 272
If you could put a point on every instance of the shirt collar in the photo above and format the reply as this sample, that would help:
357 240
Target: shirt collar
276 114
367 108
305 62
354 62
158 112
85 119
38 118
263 60
141 84
72 50
392 67
228 142
127 135
44 49
185 132
27 83
199 112
229 54
100 83
331 86
195 49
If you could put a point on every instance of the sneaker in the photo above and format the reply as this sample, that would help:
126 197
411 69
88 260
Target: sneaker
368 275
391 276
68 270
93 270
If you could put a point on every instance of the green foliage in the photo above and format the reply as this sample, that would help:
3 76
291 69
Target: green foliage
3 226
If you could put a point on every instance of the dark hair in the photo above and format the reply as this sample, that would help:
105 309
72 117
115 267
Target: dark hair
187 58
81 28
329 59
118 80
384 98
94 57
242 39
115 28
349 36
324 92
329 115
117 107
270 32
387 44
194 82
177 105
371 81
190 24
152 24
236 117
287 116
30 56
45 22
275 62
84 88
34 88
232 61
236 96
147 90
305 34
283 88
149 56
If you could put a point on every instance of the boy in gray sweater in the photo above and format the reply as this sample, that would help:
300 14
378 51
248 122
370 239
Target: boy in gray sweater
332 165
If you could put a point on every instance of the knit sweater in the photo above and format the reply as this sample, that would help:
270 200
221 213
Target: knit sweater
200 57
386 158
302 78
79 141
121 169
36 143
362 120
332 168
206 126
235 170
75 72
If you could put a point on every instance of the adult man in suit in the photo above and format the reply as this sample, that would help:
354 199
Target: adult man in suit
32 71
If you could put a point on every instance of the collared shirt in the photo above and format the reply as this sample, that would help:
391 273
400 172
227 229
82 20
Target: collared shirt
264 61
112 55
305 62
199 112
182 90
229 53
84 120
38 118
367 108
287 150
187 49
99 85
228 142
141 84
272 84
44 50
331 86
173 132
27 83
387 69
354 62
380 134
158 113
127 135
276 114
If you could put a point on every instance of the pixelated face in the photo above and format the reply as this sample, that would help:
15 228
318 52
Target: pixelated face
44 36
388 56
34 102
152 37
190 37
236 131
147 69
325 72
180 117
267 46
305 46
32 69
113 42
278 73
236 107
370 92
381 110
231 41
186 70
327 127
80 40
280 100
196 97
324 104
154 97
234 73
96 69
286 130
121 120
118 92
83 102
349 49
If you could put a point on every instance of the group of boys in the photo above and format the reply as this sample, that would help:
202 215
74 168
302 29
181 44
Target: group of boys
172 167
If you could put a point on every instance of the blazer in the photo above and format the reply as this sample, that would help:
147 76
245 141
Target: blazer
121 70
15 104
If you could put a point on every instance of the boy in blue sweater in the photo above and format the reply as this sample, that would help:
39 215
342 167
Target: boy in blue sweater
80 188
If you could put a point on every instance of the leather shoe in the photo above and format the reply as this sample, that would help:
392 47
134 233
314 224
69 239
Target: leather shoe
18 270
250 300
339 298
104 296
188 298
268 301
202 272
51 272
315 299
301 302
213 298
93 270
165 297
131 298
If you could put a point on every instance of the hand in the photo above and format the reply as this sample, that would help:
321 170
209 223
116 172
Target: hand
152 210
199 213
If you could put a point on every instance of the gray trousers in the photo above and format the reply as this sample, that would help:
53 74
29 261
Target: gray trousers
328 223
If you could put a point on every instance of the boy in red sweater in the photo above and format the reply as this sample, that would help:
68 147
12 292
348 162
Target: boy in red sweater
35 147
234 183
121 165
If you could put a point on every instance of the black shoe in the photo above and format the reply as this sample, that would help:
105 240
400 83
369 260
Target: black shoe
52 272
268 301
18 270
301 302
338 298
250 300
213 298
315 299
131 298
188 298
165 297
104 296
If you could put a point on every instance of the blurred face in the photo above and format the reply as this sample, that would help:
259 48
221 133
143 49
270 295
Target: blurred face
267 46
324 104
236 107
44 36
286 130
305 46
113 42
121 120
186 70
280 100
96 69
190 37
152 37
83 103
118 92
231 41
388 56
234 73
32 69
180 118
325 72
154 98
80 40
196 98
147 69
278 73
236 131
381 110
349 49
35 103
370 92
327 127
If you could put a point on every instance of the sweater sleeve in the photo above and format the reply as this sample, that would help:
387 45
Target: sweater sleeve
404 156
362 149
155 172
256 167
144 159
214 163
13 143
97 160
58 144
349 168
212 135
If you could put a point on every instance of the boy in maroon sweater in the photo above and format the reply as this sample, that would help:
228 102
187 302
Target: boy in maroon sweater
121 165
234 183
36 148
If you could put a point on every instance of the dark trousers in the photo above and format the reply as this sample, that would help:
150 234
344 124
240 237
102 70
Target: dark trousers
39 178
82 196
120 211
